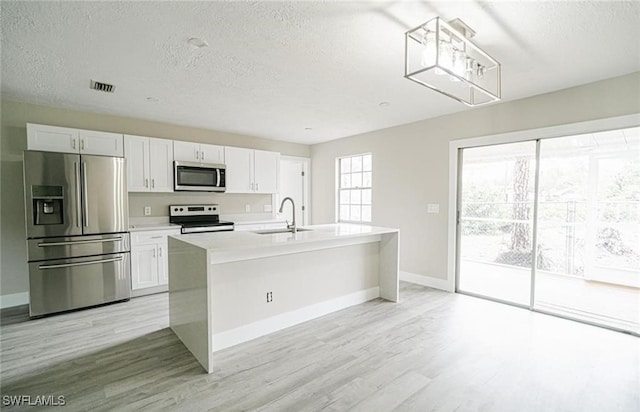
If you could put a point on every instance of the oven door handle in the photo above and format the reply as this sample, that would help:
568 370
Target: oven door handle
90 262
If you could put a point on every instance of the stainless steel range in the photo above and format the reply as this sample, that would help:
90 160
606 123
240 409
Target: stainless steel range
198 218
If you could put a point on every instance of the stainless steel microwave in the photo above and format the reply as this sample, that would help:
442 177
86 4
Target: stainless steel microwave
199 177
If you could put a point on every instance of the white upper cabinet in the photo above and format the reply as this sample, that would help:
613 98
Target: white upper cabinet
161 165
101 143
52 138
251 171
136 151
68 140
239 175
186 151
266 171
211 154
197 153
149 164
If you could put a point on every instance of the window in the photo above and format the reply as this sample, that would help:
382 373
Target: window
354 188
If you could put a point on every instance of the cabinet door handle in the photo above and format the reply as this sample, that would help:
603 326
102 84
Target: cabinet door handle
153 183
82 144
257 188
202 155
160 251
197 155
146 182
154 253
73 143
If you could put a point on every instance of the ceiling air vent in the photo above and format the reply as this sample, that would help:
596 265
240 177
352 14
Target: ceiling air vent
103 87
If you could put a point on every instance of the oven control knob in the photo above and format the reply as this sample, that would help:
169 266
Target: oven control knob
175 209
181 209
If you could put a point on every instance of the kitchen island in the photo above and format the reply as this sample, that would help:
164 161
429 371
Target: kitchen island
230 287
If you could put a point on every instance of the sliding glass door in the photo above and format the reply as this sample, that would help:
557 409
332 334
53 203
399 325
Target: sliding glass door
496 221
588 263
573 200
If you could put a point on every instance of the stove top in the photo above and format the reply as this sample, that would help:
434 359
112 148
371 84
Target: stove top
198 218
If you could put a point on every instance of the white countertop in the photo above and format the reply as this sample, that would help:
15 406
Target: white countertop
239 245
138 224
153 226
258 222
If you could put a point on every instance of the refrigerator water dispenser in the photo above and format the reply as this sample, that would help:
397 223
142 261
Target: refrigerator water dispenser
48 205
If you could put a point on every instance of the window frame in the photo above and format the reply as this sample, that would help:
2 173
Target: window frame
340 188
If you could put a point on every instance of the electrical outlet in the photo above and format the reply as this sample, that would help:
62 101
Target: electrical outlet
247 208
269 297
433 208
147 210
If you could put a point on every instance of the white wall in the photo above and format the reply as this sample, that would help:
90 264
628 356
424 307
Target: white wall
14 279
410 162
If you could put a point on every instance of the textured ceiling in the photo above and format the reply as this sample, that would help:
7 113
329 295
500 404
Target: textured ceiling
298 71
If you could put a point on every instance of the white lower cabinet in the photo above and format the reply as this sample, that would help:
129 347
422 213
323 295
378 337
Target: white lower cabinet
149 262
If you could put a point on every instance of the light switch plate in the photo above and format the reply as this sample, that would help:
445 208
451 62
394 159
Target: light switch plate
433 208
247 208
147 210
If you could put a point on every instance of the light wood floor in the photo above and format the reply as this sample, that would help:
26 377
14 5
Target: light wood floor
434 351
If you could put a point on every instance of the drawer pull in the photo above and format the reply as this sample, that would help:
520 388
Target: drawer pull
79 242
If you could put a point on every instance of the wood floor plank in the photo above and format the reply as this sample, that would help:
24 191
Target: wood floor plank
434 351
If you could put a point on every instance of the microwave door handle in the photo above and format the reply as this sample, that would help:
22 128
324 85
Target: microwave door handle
218 183
175 176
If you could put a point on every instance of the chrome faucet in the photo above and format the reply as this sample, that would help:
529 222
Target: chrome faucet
291 226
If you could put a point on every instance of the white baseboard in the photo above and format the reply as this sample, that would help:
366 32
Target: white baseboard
256 329
428 281
15 299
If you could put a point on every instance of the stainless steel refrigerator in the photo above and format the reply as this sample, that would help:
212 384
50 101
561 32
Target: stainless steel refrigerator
77 222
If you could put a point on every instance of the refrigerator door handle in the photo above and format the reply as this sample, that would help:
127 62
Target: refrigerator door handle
78 242
86 193
76 169
90 262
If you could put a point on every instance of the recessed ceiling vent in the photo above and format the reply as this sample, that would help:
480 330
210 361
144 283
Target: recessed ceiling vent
102 87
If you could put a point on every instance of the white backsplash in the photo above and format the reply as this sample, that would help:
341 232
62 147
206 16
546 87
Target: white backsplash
231 204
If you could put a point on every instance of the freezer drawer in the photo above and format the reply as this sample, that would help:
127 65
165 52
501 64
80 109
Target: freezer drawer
77 246
64 284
